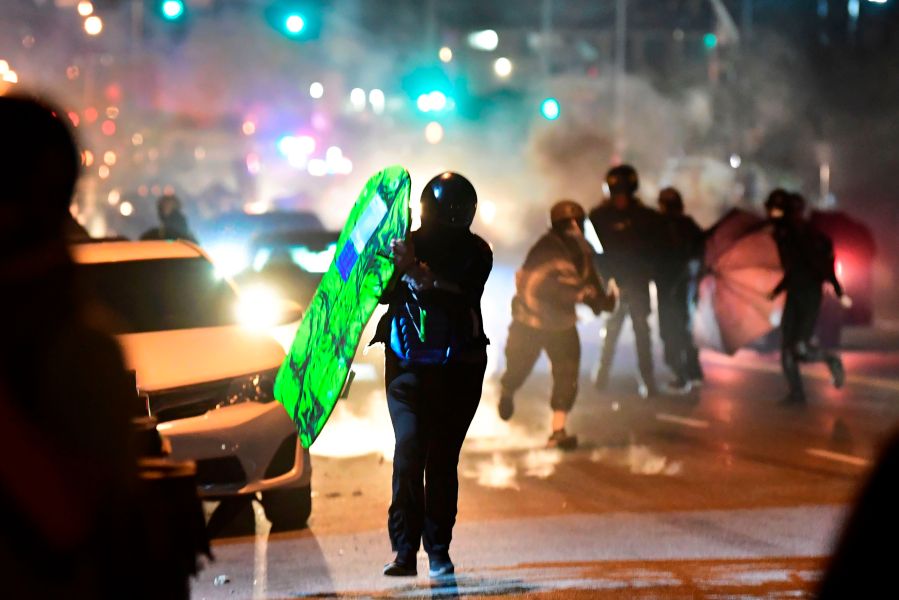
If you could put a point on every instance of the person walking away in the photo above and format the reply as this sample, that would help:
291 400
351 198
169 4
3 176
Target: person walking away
807 258
172 222
436 356
629 233
557 274
677 278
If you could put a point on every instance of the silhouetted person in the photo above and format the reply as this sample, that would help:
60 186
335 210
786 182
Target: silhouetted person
676 277
68 475
436 356
807 258
629 232
864 560
172 222
557 274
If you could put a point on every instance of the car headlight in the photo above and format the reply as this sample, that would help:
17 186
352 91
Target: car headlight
260 307
259 387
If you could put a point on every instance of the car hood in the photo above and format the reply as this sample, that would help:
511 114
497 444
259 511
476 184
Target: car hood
170 359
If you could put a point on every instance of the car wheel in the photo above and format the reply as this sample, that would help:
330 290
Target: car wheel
288 508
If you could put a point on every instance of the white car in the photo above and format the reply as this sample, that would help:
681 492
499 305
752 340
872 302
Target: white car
206 377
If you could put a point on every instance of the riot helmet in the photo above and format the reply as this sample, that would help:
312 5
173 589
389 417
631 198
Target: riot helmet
449 200
564 212
622 180
776 203
671 202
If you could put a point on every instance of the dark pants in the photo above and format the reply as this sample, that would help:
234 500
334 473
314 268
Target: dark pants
676 329
633 301
563 348
431 408
797 327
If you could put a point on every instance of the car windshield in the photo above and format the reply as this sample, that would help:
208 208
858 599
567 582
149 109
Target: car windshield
161 294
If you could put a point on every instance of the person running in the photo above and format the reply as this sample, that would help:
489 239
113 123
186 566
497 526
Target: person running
806 255
557 274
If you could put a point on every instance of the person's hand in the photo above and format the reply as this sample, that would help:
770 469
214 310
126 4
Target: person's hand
587 295
403 255
846 301
419 277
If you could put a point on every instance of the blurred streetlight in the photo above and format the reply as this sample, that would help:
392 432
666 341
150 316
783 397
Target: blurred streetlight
434 132
486 40
445 54
377 100
358 99
316 90
248 127
502 67
126 208
93 25
109 158
85 8
735 161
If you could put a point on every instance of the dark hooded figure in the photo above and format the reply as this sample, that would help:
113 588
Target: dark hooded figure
557 274
630 234
807 258
677 278
172 222
436 356
68 474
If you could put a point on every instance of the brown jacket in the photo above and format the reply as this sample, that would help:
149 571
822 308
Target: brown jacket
554 278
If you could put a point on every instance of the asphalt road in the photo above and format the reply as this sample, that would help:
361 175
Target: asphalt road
718 494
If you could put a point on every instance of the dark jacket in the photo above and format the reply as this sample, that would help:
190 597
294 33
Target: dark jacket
683 244
460 257
554 275
631 241
806 256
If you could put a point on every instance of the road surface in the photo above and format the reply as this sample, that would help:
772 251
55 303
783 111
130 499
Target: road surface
717 494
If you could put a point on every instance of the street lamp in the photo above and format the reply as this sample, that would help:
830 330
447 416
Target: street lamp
502 67
93 25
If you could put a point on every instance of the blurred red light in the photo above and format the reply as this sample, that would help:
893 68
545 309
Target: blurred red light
90 114
108 128
74 118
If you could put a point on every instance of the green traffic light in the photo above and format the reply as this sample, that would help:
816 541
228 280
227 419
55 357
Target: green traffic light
172 9
710 40
550 109
294 24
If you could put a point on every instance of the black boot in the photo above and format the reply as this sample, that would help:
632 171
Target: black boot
401 566
837 372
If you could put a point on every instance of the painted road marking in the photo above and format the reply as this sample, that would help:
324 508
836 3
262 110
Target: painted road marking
875 382
838 457
685 421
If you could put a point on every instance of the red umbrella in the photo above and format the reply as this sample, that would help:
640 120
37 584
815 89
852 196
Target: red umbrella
743 267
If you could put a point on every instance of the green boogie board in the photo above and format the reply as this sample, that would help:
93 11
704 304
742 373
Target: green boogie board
313 374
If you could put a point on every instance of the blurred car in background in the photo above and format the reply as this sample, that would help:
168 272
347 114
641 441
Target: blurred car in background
227 238
205 363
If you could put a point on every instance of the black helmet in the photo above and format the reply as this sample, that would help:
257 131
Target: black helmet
776 203
449 199
671 202
795 205
567 210
622 180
